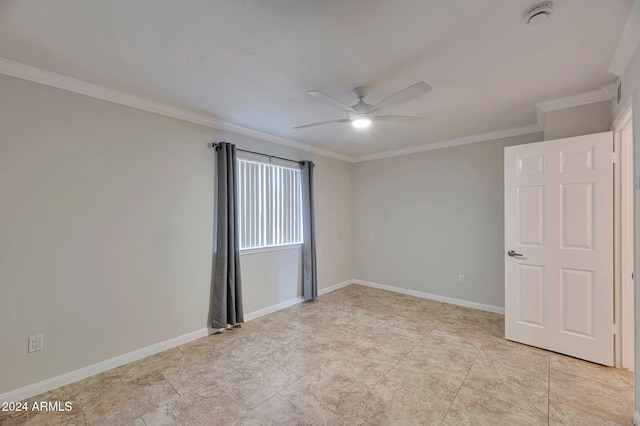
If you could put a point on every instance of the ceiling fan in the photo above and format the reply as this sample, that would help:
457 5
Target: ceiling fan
362 114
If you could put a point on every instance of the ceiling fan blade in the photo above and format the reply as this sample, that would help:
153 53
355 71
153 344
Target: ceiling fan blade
393 117
322 123
403 96
331 101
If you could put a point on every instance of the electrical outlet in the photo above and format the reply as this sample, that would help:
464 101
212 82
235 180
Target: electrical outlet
36 343
461 279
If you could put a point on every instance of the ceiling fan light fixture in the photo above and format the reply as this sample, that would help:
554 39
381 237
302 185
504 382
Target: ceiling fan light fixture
361 115
361 122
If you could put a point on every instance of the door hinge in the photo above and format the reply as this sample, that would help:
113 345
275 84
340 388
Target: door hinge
616 329
614 157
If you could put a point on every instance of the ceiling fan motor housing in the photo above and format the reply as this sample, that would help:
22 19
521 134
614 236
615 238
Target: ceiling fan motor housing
362 107
361 91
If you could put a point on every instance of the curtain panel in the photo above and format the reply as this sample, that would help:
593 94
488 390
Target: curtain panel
310 272
227 283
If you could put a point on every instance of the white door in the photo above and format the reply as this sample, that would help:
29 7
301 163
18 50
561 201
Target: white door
559 246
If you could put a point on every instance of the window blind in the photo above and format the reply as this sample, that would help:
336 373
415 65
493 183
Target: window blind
269 205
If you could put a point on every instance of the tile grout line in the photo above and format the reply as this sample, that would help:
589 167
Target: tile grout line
519 372
300 377
485 345
171 384
292 404
532 377
399 360
465 378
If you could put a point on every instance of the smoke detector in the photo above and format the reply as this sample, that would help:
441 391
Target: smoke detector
538 13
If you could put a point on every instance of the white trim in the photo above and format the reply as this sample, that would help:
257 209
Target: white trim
623 210
223 125
82 373
118 361
247 252
444 299
617 250
282 305
605 93
334 287
273 308
48 78
636 418
628 42
480 137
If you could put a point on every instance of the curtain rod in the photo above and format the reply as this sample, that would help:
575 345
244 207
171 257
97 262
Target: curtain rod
214 144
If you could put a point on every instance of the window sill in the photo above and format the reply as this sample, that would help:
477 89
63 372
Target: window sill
246 252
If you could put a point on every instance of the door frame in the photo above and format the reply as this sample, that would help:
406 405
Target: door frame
623 242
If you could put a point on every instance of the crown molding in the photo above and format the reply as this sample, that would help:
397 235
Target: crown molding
239 130
628 42
605 93
48 78
480 137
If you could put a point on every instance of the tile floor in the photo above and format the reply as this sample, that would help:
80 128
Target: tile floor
357 356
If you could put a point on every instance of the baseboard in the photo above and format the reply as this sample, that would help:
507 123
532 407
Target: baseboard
82 373
334 287
451 300
273 308
636 418
91 370
282 305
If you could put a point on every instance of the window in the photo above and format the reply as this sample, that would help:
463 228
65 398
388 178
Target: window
269 205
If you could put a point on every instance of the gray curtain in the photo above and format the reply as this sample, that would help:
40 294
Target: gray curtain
227 288
310 274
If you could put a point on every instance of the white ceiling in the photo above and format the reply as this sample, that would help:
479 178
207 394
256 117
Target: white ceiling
250 62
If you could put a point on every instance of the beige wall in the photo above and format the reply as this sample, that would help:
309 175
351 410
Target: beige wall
577 121
420 220
106 225
106 230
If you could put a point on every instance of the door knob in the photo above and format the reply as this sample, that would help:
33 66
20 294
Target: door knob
513 254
